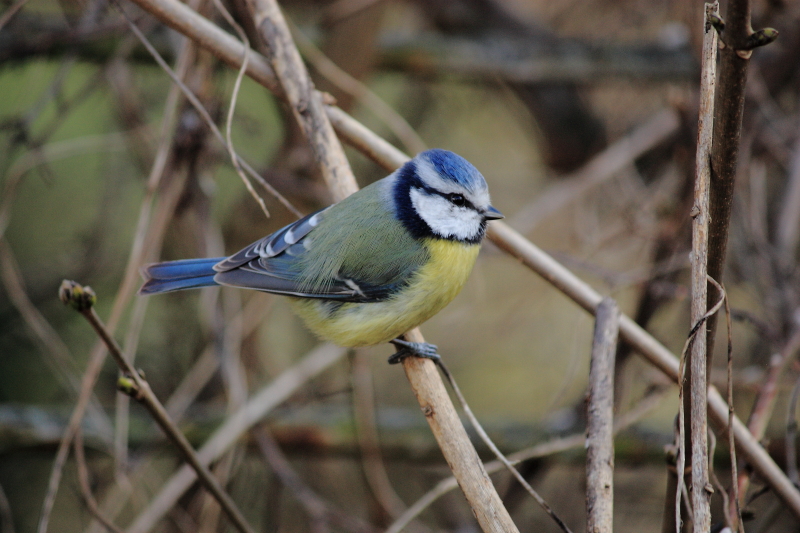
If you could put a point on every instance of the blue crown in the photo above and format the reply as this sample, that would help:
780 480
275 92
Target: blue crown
455 168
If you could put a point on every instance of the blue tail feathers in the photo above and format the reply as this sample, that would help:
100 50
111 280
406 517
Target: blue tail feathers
179 275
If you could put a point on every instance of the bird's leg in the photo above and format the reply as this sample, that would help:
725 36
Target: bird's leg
415 349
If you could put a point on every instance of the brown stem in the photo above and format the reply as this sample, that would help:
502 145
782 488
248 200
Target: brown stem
698 417
86 490
600 411
82 299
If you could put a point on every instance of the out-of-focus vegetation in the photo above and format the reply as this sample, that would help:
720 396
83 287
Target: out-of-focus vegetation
529 92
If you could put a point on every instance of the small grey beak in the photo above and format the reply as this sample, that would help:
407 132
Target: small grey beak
492 214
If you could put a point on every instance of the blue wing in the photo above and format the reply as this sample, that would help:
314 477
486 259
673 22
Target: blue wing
272 265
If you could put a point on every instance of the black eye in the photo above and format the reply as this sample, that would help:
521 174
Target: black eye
457 199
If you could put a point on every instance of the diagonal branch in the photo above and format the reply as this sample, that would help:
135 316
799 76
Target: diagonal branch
82 299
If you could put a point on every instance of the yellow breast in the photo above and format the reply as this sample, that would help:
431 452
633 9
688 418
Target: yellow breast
432 287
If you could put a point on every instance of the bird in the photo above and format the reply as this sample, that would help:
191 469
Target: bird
364 271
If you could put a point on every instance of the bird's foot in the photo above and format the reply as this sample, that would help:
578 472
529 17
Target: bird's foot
413 349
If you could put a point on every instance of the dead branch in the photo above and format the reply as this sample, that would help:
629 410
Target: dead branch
600 411
701 492
739 40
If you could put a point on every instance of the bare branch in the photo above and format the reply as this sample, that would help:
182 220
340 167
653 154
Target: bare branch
600 411
701 489
86 490
738 37
82 299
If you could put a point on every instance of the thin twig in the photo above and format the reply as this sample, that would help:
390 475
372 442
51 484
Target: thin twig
86 489
600 415
692 337
203 112
701 489
714 480
485 438
82 299
737 523
232 107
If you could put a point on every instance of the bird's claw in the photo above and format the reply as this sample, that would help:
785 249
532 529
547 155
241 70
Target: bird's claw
413 349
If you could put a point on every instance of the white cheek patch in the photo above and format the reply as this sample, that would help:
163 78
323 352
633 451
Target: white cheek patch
444 218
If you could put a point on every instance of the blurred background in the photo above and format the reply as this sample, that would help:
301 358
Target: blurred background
581 114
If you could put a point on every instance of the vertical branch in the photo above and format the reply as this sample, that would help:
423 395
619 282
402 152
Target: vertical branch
698 387
600 431
739 40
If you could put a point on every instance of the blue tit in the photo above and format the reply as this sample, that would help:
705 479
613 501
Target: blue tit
369 268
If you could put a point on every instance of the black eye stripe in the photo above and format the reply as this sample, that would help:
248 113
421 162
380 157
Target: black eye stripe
457 199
